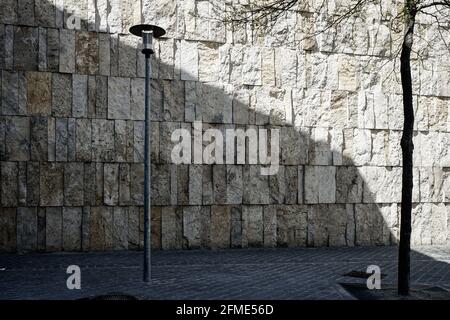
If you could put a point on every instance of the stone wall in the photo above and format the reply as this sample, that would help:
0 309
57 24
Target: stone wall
71 130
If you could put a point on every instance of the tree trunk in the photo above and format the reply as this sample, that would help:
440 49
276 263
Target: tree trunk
407 152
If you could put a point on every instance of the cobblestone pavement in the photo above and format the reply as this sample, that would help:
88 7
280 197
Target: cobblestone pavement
301 273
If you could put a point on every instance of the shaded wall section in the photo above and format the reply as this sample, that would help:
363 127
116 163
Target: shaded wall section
71 132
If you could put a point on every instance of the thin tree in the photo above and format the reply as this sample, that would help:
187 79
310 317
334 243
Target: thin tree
262 15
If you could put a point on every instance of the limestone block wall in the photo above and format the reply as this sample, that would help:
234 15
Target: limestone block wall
71 130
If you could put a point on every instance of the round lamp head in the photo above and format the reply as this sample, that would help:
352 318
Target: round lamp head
138 29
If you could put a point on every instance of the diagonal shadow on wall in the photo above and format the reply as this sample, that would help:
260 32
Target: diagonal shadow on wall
72 141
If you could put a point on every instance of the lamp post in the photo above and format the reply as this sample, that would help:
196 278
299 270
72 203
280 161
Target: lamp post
147 32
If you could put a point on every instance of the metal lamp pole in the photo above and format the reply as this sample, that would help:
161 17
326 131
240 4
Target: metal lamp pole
147 32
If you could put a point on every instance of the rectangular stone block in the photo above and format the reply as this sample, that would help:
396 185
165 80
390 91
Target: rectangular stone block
120 228
8 229
195 184
320 184
291 183
53 50
182 184
189 60
111 184
270 226
192 226
39 138
26 229
22 186
71 226
124 184
382 184
251 66
137 184
133 227
220 226
26 41
67 51
101 97
86 52
123 140
127 55
256 186
234 184
103 140
80 96
292 225
104 52
71 139
42 48
73 184
85 229
349 185
173 100
32 184
39 93
252 226
61 95
83 140
293 153
277 185
118 98
137 102
61 139
10 93
9 184
51 184
171 227
101 228
371 229
17 138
